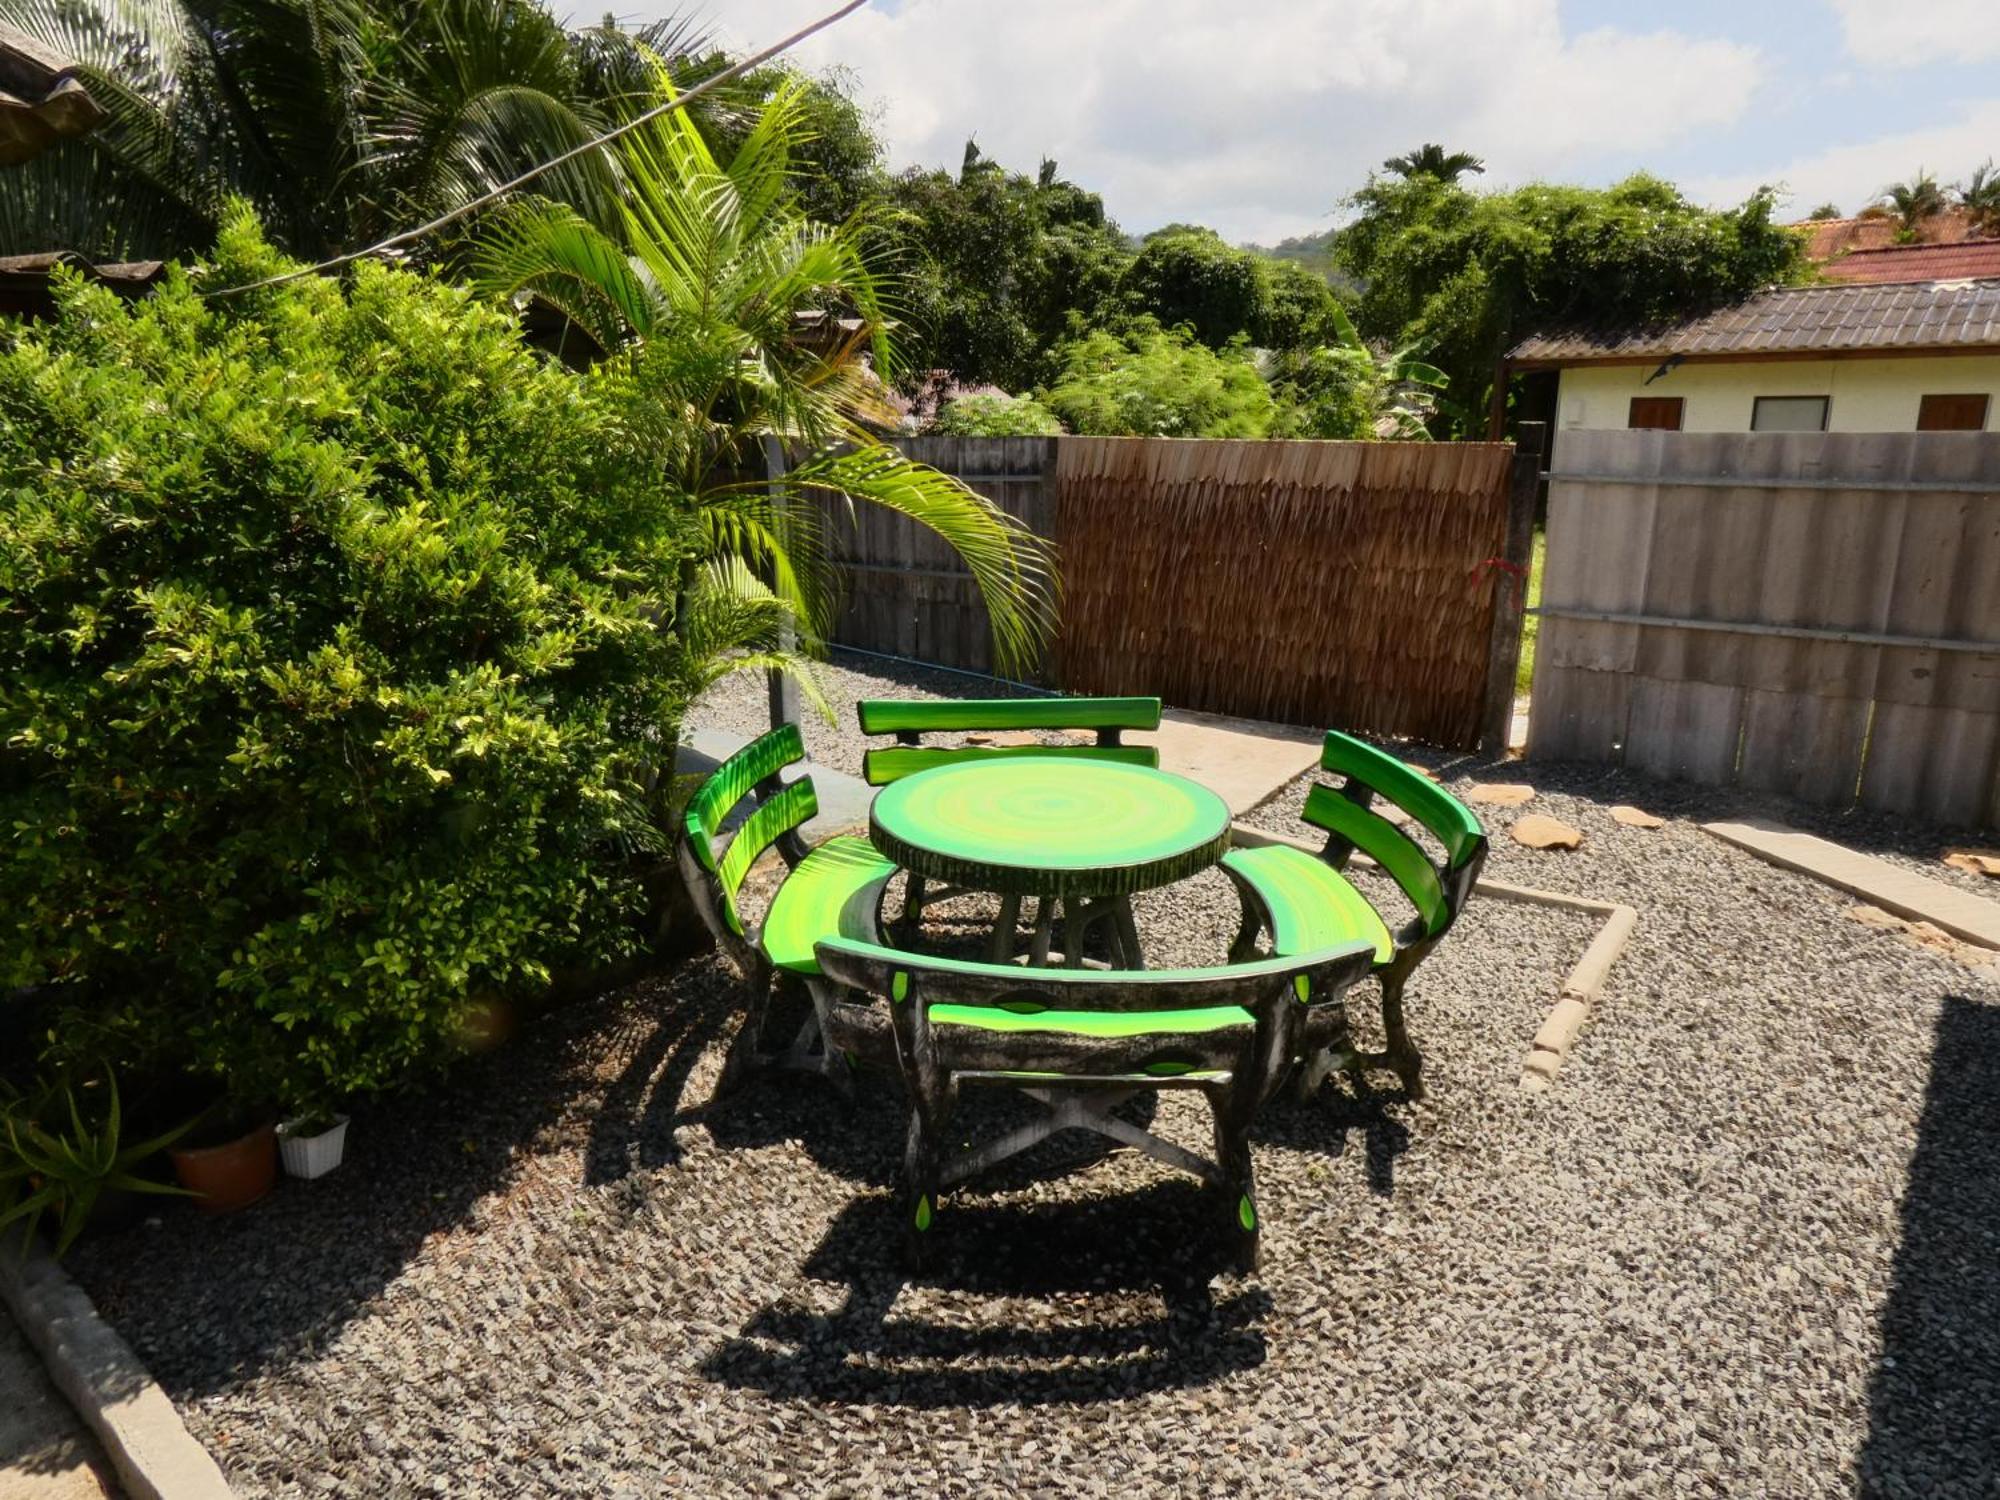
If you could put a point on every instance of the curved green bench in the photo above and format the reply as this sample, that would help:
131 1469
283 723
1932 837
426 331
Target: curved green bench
1305 902
832 890
1107 718
1080 1042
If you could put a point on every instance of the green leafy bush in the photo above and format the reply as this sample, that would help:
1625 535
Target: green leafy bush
332 668
994 414
1160 384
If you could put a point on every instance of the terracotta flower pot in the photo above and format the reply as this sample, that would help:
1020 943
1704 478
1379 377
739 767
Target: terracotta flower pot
233 1175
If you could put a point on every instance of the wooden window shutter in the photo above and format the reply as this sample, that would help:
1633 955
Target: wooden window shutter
1952 414
1661 413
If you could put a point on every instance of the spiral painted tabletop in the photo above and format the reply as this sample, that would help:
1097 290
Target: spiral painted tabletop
1050 826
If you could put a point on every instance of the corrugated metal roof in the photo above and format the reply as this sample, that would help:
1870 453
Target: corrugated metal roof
1839 319
1970 259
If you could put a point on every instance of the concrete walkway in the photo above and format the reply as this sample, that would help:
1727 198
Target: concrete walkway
45 1454
1243 761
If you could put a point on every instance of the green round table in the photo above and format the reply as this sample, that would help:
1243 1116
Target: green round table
1086 832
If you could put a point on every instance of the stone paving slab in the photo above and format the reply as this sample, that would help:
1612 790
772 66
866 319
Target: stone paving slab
45 1454
1243 761
1960 913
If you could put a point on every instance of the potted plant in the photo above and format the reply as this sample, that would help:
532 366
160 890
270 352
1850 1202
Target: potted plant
312 1141
59 1158
231 1160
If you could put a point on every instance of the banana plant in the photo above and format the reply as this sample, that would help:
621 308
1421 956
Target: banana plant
1345 389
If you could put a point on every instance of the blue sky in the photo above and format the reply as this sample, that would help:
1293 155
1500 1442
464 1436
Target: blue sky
1257 115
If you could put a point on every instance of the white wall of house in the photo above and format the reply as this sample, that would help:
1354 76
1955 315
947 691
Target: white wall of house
1864 395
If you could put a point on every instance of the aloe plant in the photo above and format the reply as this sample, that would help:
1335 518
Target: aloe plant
46 1169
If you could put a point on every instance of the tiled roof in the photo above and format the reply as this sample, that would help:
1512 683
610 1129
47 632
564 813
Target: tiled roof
1960 262
1839 319
39 266
1826 238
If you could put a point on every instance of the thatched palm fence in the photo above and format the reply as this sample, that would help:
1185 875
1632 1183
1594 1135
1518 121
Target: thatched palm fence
1341 584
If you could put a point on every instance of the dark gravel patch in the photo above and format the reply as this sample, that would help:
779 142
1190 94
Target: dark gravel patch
1748 1244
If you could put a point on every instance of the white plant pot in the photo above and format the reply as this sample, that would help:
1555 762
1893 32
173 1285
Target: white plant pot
312 1155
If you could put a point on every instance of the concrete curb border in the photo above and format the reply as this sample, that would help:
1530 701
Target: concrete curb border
1580 989
97 1372
1917 898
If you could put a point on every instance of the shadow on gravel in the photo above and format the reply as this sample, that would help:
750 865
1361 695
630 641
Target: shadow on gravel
1328 1121
208 1302
1934 1408
634 1128
1105 1299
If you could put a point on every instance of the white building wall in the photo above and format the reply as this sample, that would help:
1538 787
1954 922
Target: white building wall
1864 395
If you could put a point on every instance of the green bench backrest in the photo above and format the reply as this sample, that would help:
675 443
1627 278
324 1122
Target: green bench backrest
897 975
709 809
1448 820
1106 717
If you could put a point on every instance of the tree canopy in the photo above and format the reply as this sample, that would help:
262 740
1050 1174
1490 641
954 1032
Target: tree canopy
1466 275
1000 267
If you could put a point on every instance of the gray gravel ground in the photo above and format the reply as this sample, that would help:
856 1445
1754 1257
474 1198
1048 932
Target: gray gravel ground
742 706
1749 1244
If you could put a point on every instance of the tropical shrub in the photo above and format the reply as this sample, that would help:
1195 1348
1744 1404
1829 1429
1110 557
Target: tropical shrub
995 414
1155 383
1344 389
336 654
63 1149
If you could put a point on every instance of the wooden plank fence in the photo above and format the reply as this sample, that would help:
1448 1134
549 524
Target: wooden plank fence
1816 614
907 593
1339 584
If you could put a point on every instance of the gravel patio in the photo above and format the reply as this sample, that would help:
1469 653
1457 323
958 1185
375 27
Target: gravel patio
1749 1242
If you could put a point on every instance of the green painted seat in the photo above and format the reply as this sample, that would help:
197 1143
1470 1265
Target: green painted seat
1305 901
1107 718
834 890
1093 1023
1079 1042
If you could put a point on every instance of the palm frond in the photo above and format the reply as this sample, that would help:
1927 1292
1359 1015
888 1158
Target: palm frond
1012 566
550 251
734 623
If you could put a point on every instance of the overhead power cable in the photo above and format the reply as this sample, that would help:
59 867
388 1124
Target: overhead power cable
679 101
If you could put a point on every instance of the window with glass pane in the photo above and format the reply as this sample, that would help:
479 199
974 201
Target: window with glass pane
1788 414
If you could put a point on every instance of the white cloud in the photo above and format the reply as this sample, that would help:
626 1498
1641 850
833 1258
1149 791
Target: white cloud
1906 33
1851 176
1257 115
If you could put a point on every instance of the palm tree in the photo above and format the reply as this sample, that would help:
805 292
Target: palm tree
1910 204
1434 161
701 297
1979 196
338 120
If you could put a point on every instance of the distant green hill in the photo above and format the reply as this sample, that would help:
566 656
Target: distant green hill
1313 251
